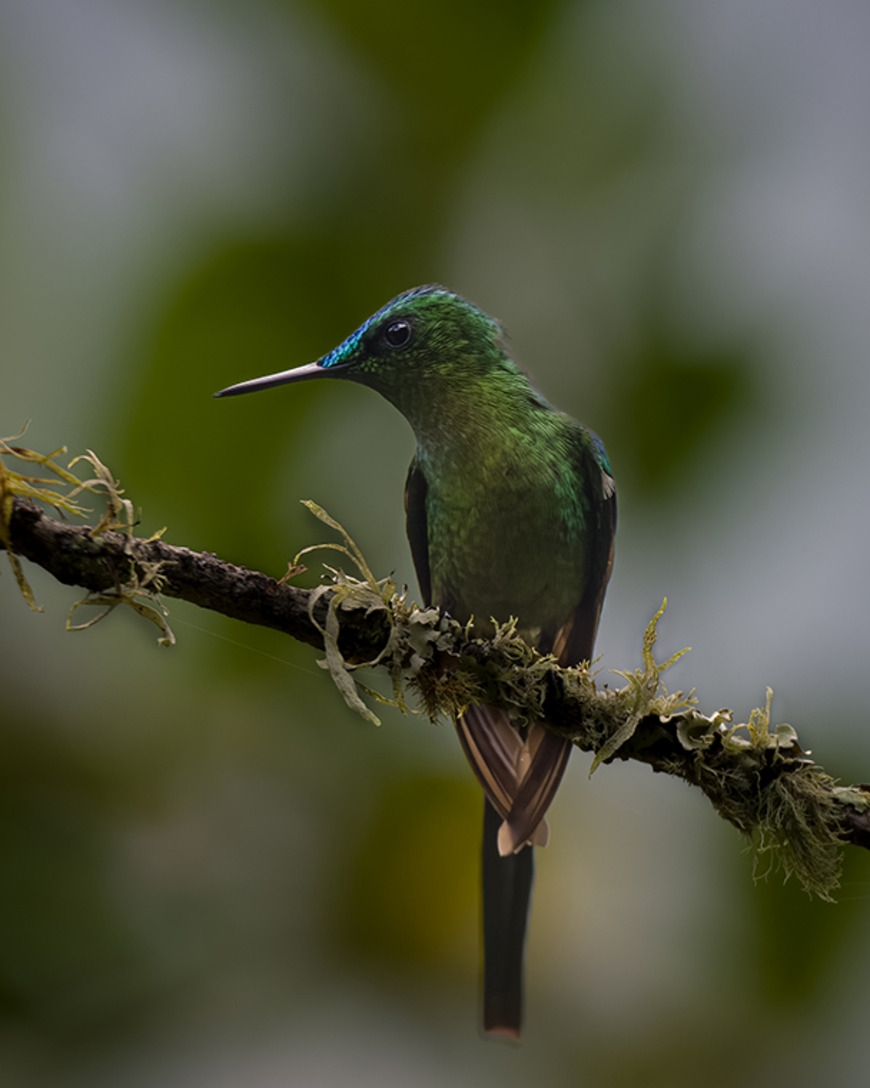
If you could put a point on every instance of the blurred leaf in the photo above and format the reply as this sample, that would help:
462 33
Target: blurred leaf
447 63
66 957
670 405
800 943
249 308
410 897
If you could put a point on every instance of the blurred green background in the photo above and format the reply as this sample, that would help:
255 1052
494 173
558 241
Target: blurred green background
211 872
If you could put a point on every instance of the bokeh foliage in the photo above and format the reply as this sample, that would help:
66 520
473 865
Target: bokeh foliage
228 822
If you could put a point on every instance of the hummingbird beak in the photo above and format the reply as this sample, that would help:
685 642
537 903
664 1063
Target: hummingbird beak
284 377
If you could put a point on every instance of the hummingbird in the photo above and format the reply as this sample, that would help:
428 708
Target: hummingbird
510 511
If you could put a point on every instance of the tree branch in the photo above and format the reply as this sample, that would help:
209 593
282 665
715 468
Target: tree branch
756 776
98 563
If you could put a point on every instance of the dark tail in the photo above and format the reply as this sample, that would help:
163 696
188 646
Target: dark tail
507 887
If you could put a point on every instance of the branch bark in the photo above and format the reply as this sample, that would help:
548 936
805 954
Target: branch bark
75 558
766 782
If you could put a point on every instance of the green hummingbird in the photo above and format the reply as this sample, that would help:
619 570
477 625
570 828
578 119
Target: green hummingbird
510 512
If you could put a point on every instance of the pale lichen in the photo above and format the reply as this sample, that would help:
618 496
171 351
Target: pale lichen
644 694
140 589
755 774
42 489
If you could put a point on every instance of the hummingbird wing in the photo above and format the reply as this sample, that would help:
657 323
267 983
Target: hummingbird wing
520 775
497 753
543 760
575 640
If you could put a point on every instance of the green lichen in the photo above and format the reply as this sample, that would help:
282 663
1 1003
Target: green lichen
140 590
760 779
43 489
644 694
755 773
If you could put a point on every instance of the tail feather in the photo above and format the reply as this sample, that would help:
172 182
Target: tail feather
536 788
507 889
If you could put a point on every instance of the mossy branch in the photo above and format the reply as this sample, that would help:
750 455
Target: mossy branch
756 775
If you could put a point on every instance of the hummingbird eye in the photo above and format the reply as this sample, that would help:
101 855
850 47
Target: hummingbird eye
398 333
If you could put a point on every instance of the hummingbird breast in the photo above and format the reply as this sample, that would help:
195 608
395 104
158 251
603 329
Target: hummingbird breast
507 529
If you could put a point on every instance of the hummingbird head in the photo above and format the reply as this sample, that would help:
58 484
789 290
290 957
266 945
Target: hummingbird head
424 340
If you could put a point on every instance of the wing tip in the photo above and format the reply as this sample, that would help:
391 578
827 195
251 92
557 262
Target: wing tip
509 843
